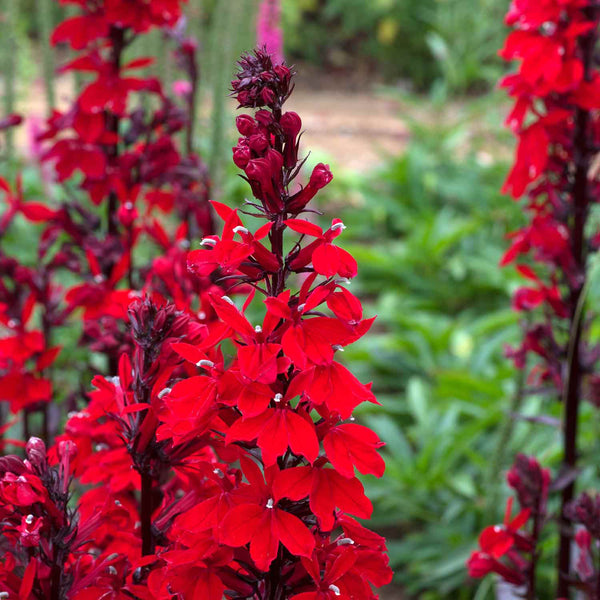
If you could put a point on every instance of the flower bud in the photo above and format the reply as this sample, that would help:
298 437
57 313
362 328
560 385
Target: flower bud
320 176
36 453
245 124
241 156
291 124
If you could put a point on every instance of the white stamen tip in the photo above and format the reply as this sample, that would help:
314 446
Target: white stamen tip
98 278
29 519
218 472
335 589
270 503
337 347
205 364
240 229
278 398
258 329
115 380
345 542
228 300
208 242
128 205
337 226
111 570
164 392
301 307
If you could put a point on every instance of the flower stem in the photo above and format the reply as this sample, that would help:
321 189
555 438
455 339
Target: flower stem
572 391
146 516
117 36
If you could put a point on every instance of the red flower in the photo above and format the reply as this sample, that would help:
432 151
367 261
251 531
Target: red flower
499 541
327 259
262 523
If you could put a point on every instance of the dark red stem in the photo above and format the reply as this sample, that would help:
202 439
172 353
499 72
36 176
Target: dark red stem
582 154
117 37
146 516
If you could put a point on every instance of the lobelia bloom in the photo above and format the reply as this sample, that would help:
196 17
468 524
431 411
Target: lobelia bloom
131 176
510 541
555 118
159 444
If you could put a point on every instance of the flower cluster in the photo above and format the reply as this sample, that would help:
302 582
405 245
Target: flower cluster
510 541
135 188
556 93
219 457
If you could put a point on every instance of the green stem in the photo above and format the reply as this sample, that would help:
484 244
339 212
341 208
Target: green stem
44 19
499 456
11 55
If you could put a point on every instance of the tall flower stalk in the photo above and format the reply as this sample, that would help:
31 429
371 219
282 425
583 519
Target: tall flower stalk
128 185
557 93
219 458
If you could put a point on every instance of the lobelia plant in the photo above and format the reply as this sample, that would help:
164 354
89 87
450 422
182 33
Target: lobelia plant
116 153
555 116
220 459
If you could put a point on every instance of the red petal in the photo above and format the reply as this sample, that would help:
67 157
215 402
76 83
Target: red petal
293 533
302 437
265 544
305 227
294 483
242 523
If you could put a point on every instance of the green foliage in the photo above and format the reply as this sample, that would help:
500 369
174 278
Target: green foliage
464 38
449 43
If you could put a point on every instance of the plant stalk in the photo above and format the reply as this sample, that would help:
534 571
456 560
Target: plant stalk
572 391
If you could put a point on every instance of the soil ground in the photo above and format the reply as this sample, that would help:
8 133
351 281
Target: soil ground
353 129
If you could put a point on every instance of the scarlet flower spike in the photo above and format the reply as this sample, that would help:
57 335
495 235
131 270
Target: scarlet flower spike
555 119
196 388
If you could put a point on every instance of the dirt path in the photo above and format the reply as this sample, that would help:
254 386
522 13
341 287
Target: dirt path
354 130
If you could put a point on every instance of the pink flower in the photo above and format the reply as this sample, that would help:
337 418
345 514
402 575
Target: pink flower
268 29
182 88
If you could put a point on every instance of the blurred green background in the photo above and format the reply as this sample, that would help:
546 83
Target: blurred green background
426 222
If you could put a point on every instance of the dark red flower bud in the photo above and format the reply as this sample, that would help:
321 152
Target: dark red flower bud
245 124
320 176
10 121
241 156
12 464
291 124
586 510
260 83
267 96
264 117
530 481
258 143
36 453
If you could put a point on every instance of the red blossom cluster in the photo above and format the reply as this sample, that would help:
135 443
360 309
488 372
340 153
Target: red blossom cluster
555 91
217 456
556 118
137 188
510 541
